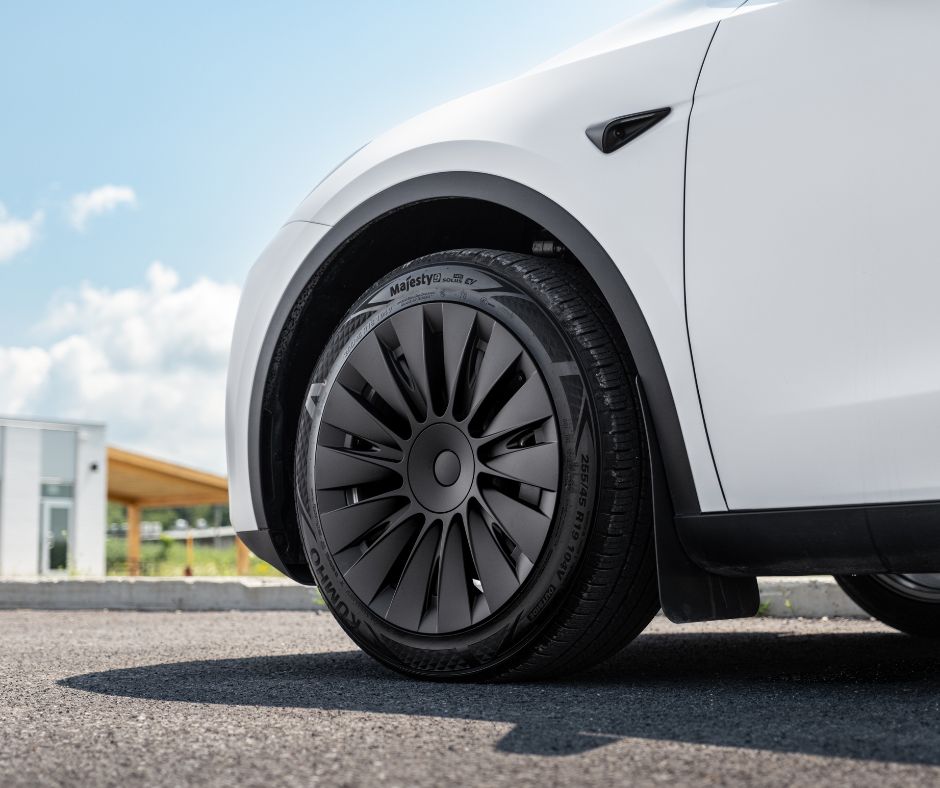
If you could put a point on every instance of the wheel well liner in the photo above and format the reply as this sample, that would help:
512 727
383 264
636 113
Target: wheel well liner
427 214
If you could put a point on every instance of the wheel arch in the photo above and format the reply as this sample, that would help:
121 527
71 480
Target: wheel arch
427 214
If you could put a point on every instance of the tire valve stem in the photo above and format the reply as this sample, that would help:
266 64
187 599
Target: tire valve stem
549 248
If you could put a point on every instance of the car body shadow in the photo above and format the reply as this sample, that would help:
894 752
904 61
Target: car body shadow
862 696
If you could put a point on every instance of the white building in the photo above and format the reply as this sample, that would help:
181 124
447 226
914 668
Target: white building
53 494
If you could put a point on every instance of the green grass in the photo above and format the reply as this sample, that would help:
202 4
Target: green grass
167 558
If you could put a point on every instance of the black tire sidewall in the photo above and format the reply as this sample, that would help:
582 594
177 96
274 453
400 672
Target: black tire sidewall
912 616
491 645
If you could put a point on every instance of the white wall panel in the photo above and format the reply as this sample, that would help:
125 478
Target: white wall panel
90 512
19 502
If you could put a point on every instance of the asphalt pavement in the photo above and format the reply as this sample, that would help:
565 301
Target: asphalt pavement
282 698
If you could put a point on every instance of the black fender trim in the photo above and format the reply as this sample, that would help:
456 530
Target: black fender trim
831 540
569 232
262 545
687 592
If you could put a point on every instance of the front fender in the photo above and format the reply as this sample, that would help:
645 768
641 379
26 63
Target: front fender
531 131
522 144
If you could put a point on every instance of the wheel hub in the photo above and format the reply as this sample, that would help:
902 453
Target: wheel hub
441 468
447 468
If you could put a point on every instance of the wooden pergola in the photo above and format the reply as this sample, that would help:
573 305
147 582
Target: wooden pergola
139 482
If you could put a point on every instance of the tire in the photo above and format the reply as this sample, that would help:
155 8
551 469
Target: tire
472 478
909 603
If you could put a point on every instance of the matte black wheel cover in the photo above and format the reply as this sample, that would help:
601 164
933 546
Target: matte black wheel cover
436 467
440 534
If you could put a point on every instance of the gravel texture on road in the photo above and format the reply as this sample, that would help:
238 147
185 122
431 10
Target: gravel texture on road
280 698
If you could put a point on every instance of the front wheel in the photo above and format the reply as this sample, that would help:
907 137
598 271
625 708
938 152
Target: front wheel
909 603
471 471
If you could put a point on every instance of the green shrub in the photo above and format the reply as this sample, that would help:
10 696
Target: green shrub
166 557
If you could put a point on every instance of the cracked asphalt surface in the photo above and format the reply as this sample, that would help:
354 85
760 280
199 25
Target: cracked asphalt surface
118 698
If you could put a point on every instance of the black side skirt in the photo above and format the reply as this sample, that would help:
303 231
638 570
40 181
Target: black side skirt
865 539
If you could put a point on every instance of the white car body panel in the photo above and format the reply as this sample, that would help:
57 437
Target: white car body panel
815 332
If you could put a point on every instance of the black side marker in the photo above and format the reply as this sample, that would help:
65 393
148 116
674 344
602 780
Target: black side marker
611 135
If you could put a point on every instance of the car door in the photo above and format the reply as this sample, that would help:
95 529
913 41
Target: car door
813 252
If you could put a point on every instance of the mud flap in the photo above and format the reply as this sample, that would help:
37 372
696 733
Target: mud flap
687 592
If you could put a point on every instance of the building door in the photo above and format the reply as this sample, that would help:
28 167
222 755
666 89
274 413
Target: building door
56 529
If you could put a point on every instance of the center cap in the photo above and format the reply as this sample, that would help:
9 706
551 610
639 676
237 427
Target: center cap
447 468
441 467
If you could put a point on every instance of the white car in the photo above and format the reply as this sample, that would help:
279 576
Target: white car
652 320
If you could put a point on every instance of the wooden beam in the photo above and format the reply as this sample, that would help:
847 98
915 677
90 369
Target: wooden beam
147 482
242 556
161 468
190 554
133 540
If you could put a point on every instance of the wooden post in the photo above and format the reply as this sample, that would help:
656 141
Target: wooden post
190 554
133 539
242 555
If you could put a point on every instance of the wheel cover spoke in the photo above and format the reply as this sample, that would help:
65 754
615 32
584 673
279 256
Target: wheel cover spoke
347 525
527 406
411 329
525 524
459 334
436 467
339 468
408 604
350 414
498 575
533 465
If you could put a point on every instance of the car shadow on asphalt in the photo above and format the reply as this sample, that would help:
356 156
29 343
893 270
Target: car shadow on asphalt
862 696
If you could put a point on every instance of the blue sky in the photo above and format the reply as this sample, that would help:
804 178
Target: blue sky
215 119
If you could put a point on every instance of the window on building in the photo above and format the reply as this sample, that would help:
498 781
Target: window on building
58 456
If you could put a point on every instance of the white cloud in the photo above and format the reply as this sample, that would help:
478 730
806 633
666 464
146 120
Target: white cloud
17 235
104 199
22 372
149 361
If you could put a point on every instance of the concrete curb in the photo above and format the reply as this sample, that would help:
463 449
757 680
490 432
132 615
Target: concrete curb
781 597
806 597
157 593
